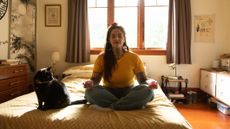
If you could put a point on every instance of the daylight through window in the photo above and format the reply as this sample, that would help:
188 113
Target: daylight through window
145 23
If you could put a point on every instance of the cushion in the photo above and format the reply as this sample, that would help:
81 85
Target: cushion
84 71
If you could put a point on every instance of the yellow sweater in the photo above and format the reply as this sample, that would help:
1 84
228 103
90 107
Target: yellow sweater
124 73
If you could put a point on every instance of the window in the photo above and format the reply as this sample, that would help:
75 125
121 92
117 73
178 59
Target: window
145 23
125 14
97 16
156 23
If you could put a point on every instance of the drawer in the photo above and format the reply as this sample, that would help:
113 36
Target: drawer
13 71
208 82
223 88
14 82
12 93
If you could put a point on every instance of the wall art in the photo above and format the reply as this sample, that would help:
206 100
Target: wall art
23 32
204 28
53 15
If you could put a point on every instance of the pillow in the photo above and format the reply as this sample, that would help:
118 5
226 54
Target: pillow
84 71
81 75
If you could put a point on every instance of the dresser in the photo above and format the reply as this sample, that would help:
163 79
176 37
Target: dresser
223 87
208 81
14 81
216 83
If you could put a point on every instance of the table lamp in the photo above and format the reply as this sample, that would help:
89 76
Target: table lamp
55 57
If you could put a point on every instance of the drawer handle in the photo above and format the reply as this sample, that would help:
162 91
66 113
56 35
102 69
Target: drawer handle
17 71
15 83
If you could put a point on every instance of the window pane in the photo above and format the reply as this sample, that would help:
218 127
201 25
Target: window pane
156 23
130 24
132 2
126 2
162 2
120 2
102 3
91 3
150 2
97 26
97 3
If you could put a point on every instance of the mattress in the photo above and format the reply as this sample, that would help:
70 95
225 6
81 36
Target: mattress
22 113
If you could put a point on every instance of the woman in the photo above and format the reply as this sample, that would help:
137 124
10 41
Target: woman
118 67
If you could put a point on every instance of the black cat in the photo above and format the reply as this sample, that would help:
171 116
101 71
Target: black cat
51 93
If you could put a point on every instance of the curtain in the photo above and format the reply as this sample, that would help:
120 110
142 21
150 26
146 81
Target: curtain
78 47
178 49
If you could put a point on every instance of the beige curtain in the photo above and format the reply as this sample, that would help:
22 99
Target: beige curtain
78 48
179 32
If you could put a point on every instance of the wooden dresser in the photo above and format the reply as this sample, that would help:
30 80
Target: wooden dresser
14 81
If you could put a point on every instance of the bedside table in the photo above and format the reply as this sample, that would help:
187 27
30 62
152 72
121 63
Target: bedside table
177 93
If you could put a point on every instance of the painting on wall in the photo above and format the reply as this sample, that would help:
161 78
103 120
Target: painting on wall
204 28
53 15
23 32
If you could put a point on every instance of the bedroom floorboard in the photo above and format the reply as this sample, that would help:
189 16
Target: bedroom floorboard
202 116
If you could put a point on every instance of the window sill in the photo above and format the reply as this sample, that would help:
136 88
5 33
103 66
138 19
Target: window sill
138 51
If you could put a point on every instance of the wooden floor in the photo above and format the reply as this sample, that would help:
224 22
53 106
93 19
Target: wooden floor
203 116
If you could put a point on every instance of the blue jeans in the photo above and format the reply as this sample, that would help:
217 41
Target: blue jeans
135 98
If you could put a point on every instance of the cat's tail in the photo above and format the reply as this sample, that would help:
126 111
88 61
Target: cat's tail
83 101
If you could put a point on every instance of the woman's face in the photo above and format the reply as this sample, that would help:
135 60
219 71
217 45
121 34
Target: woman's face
117 38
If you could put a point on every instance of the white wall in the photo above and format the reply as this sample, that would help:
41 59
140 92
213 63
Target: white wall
227 21
54 38
4 35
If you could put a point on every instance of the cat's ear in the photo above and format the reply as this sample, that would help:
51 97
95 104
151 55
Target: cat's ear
49 68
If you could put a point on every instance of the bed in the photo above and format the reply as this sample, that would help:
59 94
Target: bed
21 112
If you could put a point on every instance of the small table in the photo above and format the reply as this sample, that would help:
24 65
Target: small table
177 94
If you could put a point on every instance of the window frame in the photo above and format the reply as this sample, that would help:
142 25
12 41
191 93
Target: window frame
140 32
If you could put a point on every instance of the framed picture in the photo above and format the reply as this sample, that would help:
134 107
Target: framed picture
53 15
204 26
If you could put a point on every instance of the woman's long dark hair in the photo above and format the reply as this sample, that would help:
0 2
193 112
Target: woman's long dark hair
109 57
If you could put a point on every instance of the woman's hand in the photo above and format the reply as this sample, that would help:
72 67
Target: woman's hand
153 84
88 84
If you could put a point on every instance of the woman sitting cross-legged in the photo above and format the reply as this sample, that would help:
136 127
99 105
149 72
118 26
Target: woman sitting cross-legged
118 67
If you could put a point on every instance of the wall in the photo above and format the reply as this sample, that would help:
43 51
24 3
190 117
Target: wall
54 38
227 21
51 39
4 34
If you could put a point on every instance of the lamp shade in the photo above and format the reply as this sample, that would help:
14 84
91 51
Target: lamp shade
55 57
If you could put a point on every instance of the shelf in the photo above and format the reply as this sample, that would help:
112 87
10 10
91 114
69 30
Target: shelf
179 92
171 95
176 96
